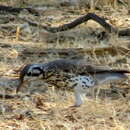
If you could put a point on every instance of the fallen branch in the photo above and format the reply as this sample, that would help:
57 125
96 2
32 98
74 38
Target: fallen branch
10 9
98 51
8 96
80 20
75 23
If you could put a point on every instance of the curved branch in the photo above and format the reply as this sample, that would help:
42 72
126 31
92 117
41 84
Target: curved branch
75 23
80 20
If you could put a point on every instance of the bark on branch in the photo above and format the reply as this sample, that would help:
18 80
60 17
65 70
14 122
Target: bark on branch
80 20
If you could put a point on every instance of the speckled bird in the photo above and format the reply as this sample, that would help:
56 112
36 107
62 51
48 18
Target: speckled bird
72 74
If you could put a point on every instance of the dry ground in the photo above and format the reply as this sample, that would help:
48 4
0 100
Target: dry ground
49 109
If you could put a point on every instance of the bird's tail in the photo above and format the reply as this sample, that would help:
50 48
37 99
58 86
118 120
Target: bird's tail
114 71
122 71
112 75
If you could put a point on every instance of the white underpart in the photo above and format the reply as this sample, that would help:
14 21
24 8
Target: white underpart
83 83
81 80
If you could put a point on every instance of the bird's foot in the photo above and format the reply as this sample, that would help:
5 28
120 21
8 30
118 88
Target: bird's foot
75 106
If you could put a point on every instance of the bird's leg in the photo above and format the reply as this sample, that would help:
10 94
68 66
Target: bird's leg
91 92
97 93
78 98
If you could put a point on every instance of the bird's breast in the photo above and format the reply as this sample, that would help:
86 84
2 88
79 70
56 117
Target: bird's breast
69 81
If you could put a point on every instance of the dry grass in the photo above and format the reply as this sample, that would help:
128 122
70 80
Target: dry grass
52 112
49 110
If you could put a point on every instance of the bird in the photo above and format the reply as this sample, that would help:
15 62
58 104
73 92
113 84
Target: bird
76 75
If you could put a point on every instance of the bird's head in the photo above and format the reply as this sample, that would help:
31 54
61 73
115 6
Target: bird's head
29 70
